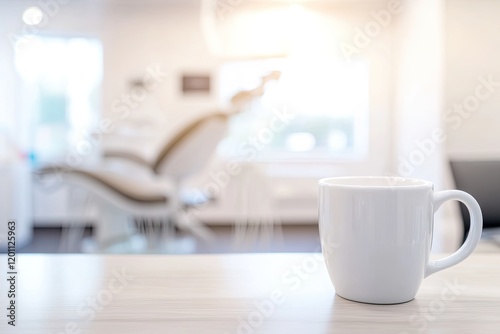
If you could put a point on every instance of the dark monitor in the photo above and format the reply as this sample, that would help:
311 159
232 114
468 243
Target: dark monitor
481 179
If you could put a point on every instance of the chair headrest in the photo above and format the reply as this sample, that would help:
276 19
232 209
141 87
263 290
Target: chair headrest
184 134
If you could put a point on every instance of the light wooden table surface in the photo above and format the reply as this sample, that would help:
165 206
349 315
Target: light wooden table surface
254 293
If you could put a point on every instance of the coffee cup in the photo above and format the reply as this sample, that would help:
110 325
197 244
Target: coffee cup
376 235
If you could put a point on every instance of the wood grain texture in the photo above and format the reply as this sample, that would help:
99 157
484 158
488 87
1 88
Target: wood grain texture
239 293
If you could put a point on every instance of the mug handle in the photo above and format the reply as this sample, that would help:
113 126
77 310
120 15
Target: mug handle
476 228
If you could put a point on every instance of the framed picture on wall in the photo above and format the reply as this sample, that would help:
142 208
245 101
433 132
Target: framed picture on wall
195 84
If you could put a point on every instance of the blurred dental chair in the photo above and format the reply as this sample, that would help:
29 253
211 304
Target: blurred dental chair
182 156
118 199
123 198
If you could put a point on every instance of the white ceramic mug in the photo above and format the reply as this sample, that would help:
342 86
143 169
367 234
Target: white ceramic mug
376 235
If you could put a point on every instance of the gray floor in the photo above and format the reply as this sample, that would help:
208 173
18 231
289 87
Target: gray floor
288 238
295 238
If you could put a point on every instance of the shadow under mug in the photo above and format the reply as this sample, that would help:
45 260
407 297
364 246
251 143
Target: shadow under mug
376 235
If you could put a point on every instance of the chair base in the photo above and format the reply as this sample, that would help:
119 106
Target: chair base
139 244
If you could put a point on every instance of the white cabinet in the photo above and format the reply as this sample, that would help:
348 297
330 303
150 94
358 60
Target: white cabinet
15 202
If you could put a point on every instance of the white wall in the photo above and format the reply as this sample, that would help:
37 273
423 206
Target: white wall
168 36
418 86
472 52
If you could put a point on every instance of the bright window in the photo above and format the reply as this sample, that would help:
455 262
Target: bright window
61 88
325 104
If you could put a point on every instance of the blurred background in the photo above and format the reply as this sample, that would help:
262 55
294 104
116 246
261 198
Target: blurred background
188 126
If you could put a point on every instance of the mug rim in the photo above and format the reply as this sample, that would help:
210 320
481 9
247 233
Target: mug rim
385 182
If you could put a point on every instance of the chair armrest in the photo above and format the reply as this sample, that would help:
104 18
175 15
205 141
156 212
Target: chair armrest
107 183
127 156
